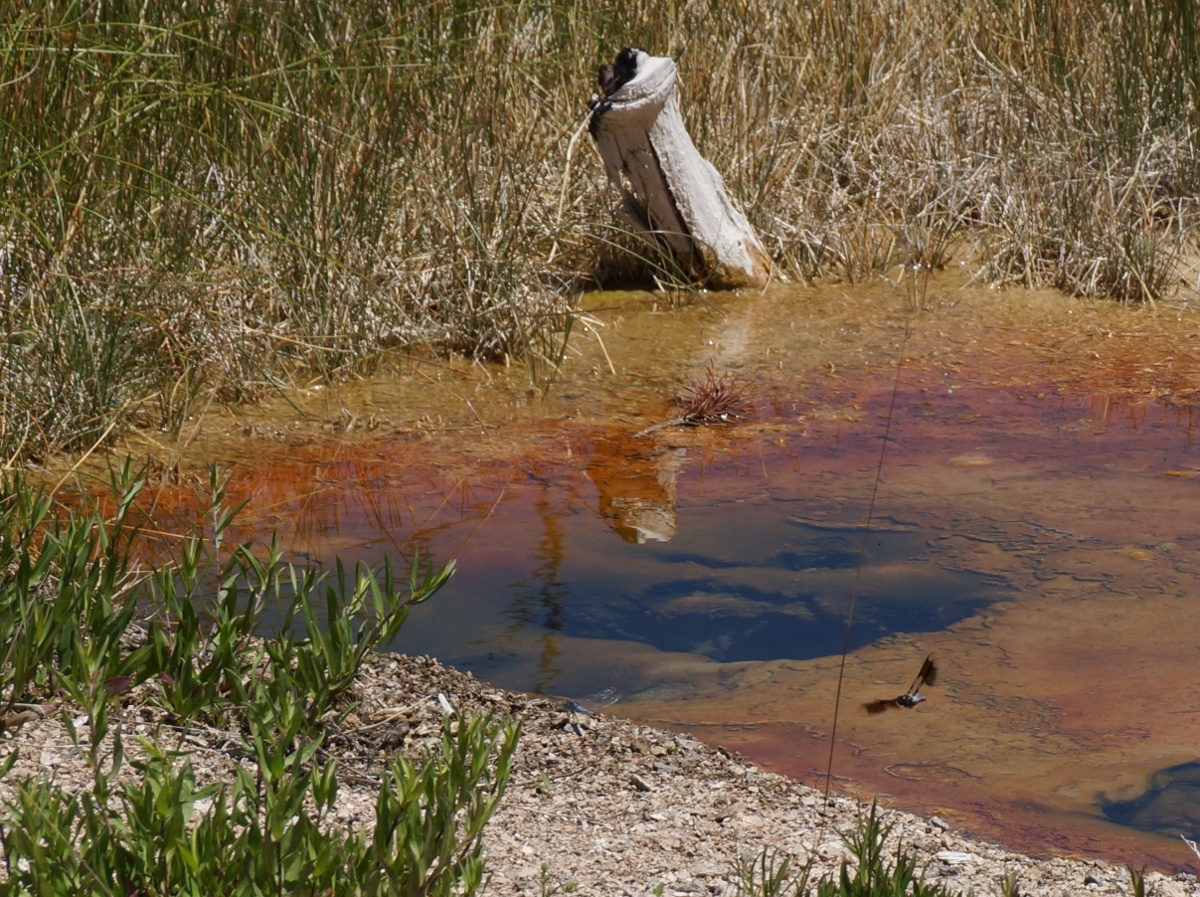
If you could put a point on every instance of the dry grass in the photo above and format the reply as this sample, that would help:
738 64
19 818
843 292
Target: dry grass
181 222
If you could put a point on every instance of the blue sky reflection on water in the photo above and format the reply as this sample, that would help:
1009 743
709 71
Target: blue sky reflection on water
1038 525
741 580
739 549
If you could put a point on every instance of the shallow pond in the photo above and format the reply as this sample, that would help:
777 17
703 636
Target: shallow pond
1006 479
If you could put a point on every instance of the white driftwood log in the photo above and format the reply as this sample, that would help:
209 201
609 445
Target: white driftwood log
669 192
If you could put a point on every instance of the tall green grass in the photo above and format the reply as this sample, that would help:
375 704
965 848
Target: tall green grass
212 200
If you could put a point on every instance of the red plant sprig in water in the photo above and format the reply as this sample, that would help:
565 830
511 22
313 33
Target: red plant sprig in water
713 399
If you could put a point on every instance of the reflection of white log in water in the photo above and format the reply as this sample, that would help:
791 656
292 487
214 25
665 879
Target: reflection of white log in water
638 499
669 192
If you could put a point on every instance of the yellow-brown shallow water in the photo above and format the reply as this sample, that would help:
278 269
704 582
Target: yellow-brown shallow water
1044 446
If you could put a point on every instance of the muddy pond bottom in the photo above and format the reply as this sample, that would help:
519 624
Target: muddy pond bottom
1039 532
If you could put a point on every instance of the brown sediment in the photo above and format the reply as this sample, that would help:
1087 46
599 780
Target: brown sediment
1040 440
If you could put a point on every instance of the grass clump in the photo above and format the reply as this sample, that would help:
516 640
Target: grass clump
866 873
207 207
146 824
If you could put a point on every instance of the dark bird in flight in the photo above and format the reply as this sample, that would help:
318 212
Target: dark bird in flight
912 697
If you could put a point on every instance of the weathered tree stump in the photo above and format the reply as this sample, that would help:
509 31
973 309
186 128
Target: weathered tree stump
670 194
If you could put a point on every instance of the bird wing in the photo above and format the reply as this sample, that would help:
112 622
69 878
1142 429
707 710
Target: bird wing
880 706
927 675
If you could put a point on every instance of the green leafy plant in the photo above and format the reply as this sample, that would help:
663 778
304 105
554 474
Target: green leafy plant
208 663
430 813
359 616
67 598
267 832
770 874
1137 880
866 873
205 663
871 875
146 825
